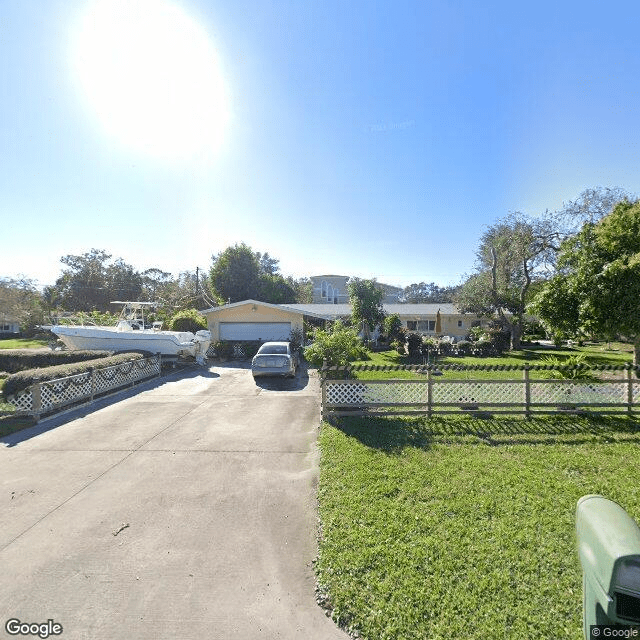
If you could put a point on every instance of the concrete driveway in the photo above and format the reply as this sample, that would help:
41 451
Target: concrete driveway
186 509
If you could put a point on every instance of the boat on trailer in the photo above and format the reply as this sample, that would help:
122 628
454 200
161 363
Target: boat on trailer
132 332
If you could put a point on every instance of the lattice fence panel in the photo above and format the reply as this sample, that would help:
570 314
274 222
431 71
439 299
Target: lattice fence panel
65 391
579 392
477 392
22 401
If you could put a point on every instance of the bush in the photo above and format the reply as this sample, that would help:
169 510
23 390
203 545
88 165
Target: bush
445 348
414 344
464 348
338 346
578 370
484 348
393 328
22 360
188 320
399 346
429 345
23 379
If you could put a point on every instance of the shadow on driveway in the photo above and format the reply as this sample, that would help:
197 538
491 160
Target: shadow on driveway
73 413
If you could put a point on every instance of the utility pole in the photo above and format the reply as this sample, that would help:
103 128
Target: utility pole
197 280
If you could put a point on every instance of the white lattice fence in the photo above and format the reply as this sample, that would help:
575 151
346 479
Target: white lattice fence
45 397
444 396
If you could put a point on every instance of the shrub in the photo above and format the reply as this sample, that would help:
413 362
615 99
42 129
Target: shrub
393 328
578 370
23 379
188 320
223 348
414 344
484 348
429 345
464 348
445 348
21 360
399 346
338 346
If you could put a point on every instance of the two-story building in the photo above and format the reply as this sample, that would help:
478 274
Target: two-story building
330 289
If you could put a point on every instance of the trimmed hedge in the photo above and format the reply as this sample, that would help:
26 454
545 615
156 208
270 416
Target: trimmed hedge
15 360
23 379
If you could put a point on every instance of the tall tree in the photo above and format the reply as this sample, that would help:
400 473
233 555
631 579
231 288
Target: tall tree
366 297
511 254
428 293
91 282
597 285
235 274
20 301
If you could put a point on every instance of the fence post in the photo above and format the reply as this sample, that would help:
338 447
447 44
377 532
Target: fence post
629 390
429 393
93 382
527 391
36 400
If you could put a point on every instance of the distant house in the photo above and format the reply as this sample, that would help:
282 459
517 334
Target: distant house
8 326
333 290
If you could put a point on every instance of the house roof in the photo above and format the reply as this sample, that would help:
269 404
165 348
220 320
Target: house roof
316 313
327 311
341 310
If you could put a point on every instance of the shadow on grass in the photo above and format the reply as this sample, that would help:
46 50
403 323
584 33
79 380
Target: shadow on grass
394 433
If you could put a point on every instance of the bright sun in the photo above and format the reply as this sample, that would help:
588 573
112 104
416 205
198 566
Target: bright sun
151 75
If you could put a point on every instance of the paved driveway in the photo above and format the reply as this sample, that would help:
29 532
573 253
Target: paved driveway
183 511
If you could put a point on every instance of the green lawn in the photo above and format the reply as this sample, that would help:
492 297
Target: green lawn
22 343
596 354
457 527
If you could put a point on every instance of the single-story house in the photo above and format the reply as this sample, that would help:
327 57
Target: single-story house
9 326
255 320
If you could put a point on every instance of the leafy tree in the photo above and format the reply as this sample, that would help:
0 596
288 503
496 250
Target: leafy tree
591 205
512 253
428 293
239 273
276 289
338 345
21 301
155 283
597 287
235 274
91 281
365 297
188 320
393 327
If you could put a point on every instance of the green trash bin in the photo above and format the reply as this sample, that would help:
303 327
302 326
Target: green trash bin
609 550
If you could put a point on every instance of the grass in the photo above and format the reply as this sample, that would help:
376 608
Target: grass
596 354
457 527
22 343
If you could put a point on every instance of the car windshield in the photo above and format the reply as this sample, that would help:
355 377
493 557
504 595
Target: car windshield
269 349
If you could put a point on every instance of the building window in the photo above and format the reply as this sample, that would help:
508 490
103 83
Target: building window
460 324
323 292
411 325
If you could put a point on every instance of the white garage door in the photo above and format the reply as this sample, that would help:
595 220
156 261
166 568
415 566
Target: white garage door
255 330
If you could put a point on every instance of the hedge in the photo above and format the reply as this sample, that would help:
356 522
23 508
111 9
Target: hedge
16 360
23 379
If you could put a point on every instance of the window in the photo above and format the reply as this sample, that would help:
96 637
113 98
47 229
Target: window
426 325
323 291
460 324
411 325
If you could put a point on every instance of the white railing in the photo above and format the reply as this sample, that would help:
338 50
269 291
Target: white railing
52 395
434 394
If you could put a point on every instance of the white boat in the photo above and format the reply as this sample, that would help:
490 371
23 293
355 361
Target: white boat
133 333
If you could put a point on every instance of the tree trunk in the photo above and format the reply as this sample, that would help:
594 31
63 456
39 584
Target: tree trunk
516 335
636 354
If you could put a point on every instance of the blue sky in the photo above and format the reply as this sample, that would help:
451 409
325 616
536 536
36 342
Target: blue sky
374 139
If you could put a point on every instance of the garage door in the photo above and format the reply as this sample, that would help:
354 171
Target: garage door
255 330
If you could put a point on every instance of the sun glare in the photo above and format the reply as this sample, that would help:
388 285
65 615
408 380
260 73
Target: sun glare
151 75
